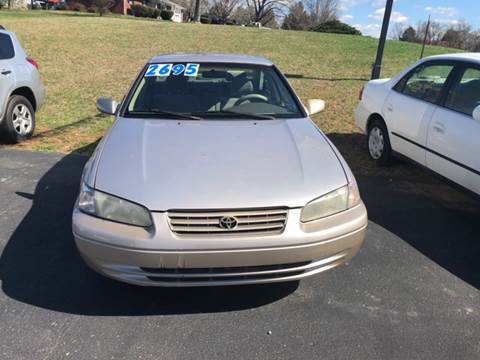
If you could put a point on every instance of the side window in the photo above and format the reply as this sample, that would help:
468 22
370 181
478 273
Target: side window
426 82
6 47
464 95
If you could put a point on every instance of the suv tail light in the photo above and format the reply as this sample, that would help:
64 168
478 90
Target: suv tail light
360 95
33 62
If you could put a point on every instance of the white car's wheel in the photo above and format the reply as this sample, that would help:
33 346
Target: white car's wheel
378 143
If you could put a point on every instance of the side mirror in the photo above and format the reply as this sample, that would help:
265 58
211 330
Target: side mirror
314 106
476 113
107 106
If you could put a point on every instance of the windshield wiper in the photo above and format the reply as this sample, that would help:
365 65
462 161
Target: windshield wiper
170 114
239 114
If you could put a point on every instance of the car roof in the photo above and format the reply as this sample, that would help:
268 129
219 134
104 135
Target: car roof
472 57
210 57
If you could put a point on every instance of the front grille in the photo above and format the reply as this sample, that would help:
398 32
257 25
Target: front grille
265 221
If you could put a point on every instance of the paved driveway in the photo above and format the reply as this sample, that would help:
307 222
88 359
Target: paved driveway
411 293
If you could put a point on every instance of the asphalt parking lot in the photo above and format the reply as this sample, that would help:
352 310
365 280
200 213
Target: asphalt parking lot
411 293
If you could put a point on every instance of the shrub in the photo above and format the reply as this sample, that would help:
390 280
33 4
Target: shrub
144 11
156 13
205 19
166 14
77 7
62 6
336 27
92 9
138 10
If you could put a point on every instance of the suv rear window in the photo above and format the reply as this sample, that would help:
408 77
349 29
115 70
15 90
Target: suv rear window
6 47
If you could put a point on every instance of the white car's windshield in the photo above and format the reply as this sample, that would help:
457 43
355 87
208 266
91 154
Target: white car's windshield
209 90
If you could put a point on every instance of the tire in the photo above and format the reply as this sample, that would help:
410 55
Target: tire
19 121
378 144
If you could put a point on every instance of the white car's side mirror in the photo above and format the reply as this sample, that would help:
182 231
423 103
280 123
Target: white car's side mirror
314 106
107 106
476 113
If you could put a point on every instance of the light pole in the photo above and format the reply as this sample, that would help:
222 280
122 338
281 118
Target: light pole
377 67
425 38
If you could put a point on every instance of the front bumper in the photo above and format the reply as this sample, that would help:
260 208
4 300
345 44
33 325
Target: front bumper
361 117
160 258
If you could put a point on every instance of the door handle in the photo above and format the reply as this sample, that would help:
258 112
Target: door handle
6 72
439 128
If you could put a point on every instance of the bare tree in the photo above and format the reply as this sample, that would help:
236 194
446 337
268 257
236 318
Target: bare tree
297 18
196 13
458 36
264 10
397 31
222 9
323 10
103 6
434 35
243 15
189 6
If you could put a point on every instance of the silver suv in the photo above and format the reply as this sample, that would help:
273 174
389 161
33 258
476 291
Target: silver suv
21 90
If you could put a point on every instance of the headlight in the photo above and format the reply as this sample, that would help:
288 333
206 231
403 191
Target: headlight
331 203
97 203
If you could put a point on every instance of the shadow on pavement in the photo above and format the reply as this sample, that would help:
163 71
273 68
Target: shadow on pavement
431 215
40 264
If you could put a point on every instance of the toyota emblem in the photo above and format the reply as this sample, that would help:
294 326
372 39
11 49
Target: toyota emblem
228 222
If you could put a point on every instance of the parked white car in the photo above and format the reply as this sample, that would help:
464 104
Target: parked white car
21 90
430 114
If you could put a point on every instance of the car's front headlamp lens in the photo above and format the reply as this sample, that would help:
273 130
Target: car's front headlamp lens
109 207
326 205
331 203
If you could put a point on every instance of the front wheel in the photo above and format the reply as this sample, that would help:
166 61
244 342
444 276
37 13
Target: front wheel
378 143
19 121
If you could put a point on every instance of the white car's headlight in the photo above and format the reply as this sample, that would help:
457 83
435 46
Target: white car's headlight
331 203
109 207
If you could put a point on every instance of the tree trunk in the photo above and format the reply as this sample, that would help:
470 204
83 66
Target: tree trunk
196 14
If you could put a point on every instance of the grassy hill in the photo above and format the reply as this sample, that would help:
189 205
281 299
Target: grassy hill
83 57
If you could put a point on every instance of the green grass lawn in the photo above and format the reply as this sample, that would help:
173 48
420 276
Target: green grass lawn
83 57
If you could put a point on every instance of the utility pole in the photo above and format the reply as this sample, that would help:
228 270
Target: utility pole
427 29
377 67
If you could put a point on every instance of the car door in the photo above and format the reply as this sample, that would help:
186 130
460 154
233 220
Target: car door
7 75
453 134
410 105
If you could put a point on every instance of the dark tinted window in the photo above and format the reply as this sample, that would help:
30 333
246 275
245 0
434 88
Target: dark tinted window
426 82
464 96
6 47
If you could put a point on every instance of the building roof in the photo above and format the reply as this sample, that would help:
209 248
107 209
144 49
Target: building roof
171 3
210 57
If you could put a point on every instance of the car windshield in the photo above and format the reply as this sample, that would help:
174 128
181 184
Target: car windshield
206 90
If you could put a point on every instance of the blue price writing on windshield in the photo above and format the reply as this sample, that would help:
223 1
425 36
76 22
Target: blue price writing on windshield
171 69
152 70
192 70
178 69
165 70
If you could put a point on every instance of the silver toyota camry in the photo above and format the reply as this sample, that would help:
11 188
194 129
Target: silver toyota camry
214 174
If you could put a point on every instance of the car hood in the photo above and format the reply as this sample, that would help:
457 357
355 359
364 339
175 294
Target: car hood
217 164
